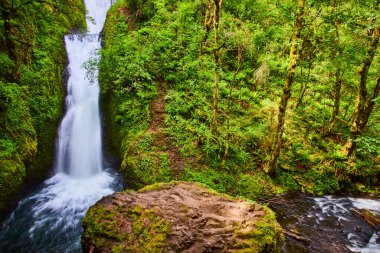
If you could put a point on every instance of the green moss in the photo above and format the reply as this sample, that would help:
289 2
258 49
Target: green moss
113 134
256 186
266 237
269 233
116 22
146 169
148 231
7 148
317 182
16 122
12 176
157 186
145 143
100 223
144 164
221 181
18 143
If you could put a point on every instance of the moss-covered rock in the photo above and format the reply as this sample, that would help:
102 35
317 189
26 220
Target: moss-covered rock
145 231
179 217
18 142
12 175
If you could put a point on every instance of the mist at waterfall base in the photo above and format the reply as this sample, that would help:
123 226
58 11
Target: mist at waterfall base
50 218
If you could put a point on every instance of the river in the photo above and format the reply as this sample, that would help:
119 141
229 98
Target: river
326 224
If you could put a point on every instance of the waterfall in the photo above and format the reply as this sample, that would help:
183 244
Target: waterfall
50 218
79 151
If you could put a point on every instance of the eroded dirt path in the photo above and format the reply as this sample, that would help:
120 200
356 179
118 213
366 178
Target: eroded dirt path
157 128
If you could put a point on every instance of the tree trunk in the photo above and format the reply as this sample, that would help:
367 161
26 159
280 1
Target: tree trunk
286 93
338 74
301 92
214 126
358 125
370 104
6 17
336 96
304 87
207 25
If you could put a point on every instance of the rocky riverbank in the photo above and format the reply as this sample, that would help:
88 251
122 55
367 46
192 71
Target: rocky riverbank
328 224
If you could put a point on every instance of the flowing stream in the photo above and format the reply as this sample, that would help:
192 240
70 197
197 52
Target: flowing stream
49 219
326 224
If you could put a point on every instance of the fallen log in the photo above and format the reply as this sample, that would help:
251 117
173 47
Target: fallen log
297 237
372 219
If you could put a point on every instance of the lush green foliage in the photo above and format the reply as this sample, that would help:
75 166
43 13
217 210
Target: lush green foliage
169 49
32 62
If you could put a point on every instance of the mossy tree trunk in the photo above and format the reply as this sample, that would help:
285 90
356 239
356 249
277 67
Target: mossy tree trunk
218 4
338 51
364 106
286 93
370 104
304 85
336 95
207 25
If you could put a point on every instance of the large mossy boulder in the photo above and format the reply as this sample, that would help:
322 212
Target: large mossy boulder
179 217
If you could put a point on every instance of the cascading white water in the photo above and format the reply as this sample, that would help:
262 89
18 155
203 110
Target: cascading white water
49 220
79 149
340 208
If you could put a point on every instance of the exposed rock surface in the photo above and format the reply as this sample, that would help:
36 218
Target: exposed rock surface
179 217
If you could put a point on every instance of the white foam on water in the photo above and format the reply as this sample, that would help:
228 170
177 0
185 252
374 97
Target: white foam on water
370 204
66 200
332 206
371 247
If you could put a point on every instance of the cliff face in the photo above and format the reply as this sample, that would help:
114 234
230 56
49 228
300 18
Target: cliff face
179 217
32 63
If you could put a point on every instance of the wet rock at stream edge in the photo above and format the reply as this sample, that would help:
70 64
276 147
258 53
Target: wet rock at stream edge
179 217
317 225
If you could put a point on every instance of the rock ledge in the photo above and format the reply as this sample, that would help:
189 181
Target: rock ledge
179 217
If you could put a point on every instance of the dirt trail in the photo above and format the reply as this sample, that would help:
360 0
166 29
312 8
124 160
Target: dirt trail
157 125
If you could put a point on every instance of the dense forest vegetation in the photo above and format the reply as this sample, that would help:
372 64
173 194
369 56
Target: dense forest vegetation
32 64
250 97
